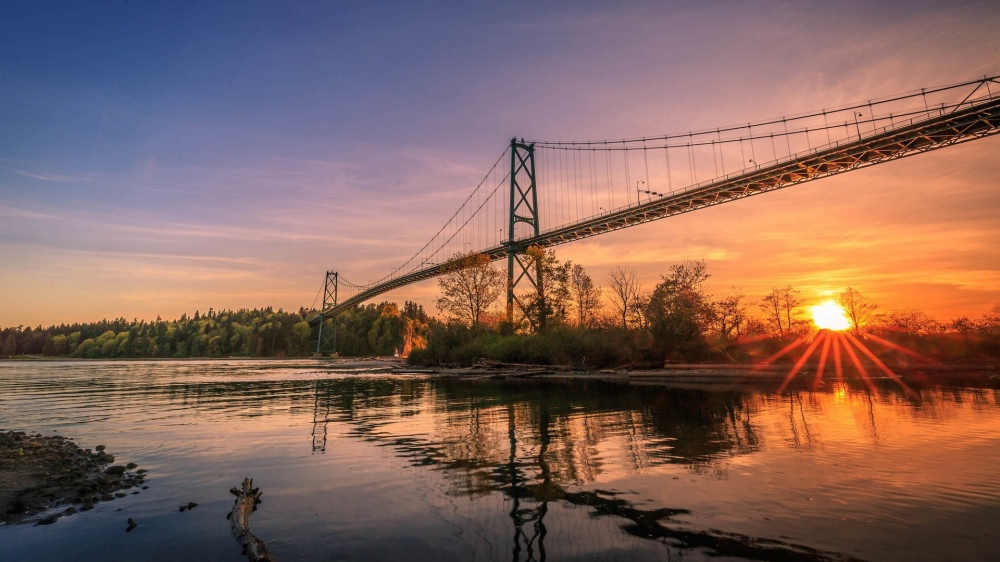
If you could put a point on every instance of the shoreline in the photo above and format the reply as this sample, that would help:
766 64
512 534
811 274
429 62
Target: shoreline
40 473
984 374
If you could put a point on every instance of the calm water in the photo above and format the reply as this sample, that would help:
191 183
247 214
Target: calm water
374 467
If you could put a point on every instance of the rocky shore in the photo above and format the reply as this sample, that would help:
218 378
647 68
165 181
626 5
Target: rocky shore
40 473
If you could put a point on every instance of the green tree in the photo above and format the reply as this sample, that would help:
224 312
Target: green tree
301 334
585 295
10 346
386 334
679 311
59 344
550 299
214 345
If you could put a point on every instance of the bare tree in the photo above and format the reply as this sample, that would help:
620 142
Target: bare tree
782 306
770 305
910 322
791 303
469 287
859 309
586 296
731 315
963 325
625 292
989 324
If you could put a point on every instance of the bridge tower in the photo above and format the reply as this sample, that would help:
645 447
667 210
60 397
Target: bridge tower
328 343
524 209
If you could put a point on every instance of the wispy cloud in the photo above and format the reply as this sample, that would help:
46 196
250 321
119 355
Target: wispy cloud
41 176
22 213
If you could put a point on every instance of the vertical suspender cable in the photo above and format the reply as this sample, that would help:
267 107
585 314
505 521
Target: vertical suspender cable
787 144
645 161
563 210
611 178
694 167
576 184
589 157
628 176
721 158
666 156
715 162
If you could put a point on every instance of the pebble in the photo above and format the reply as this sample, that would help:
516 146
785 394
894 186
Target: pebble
70 474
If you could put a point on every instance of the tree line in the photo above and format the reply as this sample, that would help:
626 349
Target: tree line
566 313
565 317
373 329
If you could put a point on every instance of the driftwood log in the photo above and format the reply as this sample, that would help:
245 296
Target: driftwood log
247 499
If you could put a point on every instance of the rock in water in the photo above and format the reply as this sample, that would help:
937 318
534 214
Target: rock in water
49 471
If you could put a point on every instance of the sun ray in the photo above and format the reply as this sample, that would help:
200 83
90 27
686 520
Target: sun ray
802 361
857 364
743 340
781 353
837 359
878 363
898 347
823 355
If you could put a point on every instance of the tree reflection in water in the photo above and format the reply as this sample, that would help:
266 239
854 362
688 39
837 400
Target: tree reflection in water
536 469
554 434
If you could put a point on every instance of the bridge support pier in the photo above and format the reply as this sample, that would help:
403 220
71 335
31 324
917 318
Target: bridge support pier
523 209
327 343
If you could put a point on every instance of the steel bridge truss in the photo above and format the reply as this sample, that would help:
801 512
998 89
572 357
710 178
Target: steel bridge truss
939 132
969 120
328 343
523 209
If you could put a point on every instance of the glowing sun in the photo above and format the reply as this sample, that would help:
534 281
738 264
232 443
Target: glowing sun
830 316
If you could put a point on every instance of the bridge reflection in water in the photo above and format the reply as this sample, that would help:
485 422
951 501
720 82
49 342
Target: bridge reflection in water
540 444
405 467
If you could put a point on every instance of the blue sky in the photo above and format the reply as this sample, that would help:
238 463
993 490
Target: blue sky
161 158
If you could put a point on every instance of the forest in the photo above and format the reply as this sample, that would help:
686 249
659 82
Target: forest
373 329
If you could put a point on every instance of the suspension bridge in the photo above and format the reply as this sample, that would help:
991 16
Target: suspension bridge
545 193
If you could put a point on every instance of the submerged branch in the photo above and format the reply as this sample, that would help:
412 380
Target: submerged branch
247 499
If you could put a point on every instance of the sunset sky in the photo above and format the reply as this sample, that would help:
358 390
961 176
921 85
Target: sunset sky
162 159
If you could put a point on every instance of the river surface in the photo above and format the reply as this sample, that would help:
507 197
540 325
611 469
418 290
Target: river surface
359 466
